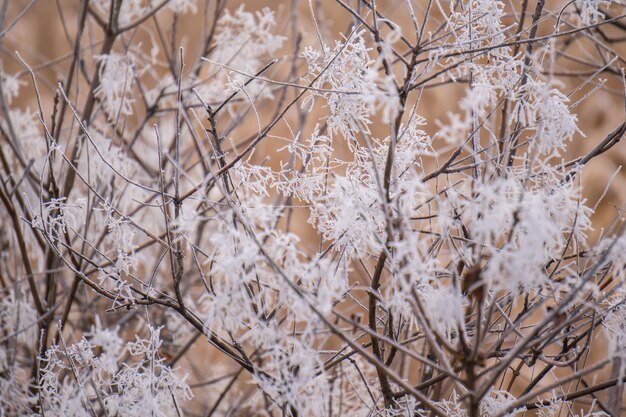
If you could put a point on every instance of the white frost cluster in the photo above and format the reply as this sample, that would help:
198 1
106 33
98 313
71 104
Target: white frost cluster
244 42
350 83
590 10
523 228
183 6
117 74
544 107
11 85
91 376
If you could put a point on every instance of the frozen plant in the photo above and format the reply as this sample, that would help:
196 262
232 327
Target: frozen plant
331 208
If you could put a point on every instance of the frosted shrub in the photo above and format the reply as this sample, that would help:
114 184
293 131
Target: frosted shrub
76 380
335 208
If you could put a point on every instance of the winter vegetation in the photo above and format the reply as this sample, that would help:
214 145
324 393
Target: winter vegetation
311 208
